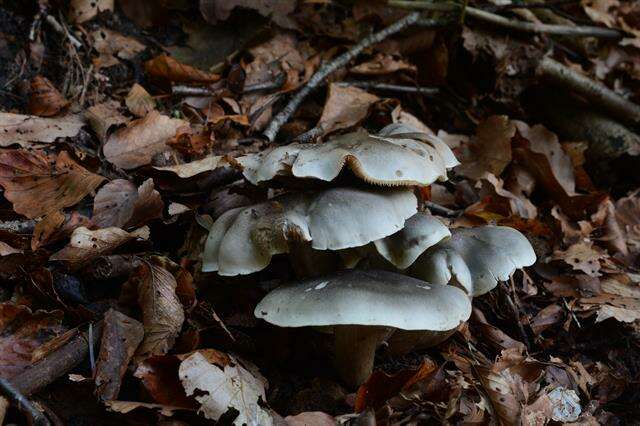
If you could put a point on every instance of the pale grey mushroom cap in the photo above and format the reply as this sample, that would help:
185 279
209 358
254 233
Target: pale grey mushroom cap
373 297
378 160
475 258
243 240
420 232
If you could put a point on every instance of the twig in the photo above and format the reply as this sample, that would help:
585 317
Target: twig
441 210
181 90
325 70
18 226
552 29
35 416
427 91
310 135
53 22
55 364
594 91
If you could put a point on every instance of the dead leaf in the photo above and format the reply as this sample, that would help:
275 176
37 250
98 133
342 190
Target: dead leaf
45 100
56 226
162 312
6 249
120 204
382 64
220 387
619 314
278 10
22 129
136 144
159 376
490 150
139 101
102 117
628 215
21 333
187 170
83 10
38 184
165 68
113 46
120 338
85 245
345 107
546 318
582 256
500 388
310 418
125 407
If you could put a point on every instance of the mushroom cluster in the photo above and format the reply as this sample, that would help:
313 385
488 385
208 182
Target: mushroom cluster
373 266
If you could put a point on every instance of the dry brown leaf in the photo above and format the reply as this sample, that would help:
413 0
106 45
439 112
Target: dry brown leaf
382 64
500 388
310 418
139 101
543 141
84 10
85 244
187 170
167 69
159 376
113 46
162 312
277 10
546 318
628 215
23 129
38 184
56 226
120 204
345 107
45 100
6 249
21 333
218 387
582 256
490 150
120 338
102 117
125 407
136 144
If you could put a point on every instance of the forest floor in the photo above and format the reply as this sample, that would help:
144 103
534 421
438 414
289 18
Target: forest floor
116 115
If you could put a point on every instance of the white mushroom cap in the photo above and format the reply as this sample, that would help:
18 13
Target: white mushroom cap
372 298
475 258
420 232
406 131
243 240
389 161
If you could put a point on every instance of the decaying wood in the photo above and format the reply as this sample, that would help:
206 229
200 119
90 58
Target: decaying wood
16 398
57 363
597 93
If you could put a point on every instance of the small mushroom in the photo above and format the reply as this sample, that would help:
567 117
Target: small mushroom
397 160
243 240
475 258
364 308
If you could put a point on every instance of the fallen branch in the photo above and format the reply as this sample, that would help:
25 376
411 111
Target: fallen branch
15 397
325 70
427 91
492 18
57 363
441 210
595 92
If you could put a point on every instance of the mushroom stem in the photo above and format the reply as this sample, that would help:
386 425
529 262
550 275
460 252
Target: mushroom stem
355 350
404 341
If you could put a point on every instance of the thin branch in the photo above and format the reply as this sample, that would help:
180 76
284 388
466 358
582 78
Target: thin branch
538 28
325 70
35 416
427 91
181 90
53 22
441 210
594 91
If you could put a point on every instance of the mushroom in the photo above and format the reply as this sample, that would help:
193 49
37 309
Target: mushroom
475 258
411 158
243 240
364 308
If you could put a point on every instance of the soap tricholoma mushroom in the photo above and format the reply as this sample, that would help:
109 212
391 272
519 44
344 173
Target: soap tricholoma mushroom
243 240
364 308
475 258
